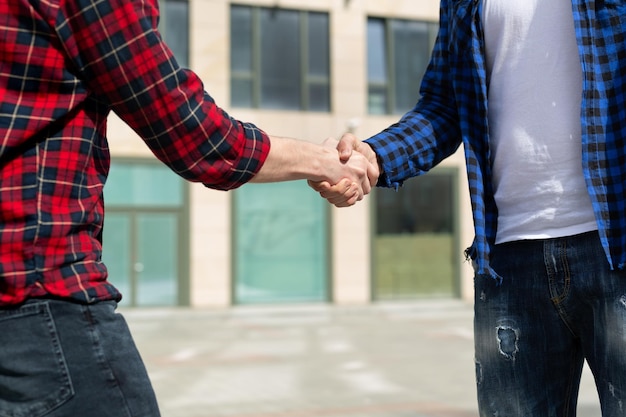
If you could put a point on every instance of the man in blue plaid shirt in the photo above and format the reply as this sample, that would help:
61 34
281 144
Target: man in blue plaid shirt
535 92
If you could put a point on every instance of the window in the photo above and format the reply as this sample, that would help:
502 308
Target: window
415 242
398 52
279 59
280 244
174 27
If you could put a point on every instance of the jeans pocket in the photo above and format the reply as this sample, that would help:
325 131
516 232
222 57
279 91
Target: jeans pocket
33 373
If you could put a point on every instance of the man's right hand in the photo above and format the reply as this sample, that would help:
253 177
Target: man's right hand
342 193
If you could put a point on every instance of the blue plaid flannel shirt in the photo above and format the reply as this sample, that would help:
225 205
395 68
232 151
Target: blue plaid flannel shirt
453 110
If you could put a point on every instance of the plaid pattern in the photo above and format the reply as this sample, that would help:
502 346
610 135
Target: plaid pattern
453 110
65 65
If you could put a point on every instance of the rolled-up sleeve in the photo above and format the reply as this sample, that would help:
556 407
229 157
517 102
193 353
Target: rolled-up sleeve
118 52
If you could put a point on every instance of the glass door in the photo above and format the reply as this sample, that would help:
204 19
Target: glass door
140 251
143 237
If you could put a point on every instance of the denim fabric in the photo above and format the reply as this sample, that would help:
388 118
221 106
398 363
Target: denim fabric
60 359
557 305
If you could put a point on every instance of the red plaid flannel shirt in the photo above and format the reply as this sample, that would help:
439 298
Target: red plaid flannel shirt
64 65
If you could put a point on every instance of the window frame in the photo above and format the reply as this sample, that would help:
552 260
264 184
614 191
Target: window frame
453 174
390 83
276 210
182 57
254 75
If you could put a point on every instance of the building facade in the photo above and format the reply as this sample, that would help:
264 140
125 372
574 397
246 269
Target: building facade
308 70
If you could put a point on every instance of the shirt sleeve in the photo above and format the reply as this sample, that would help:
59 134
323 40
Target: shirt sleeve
120 55
428 133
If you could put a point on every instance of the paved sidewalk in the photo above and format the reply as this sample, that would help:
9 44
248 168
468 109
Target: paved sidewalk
383 360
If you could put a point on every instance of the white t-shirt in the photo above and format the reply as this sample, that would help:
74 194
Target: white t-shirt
535 89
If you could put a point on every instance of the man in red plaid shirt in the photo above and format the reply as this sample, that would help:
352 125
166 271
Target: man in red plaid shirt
64 66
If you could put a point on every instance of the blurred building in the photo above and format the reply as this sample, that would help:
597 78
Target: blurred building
309 70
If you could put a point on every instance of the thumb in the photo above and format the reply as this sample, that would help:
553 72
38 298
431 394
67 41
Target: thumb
346 145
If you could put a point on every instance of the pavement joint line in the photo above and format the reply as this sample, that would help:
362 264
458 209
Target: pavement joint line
426 308
424 410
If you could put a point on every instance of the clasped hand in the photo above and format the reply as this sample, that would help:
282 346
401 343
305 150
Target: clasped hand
360 172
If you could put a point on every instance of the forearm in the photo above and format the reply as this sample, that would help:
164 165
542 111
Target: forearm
414 145
291 159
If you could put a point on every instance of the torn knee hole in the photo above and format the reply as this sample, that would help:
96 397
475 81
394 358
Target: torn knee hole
507 341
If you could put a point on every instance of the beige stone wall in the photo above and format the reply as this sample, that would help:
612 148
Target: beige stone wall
210 210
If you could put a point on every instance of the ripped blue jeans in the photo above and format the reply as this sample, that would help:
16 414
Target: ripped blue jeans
558 305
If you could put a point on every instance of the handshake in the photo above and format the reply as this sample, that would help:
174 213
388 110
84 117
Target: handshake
353 177
342 172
